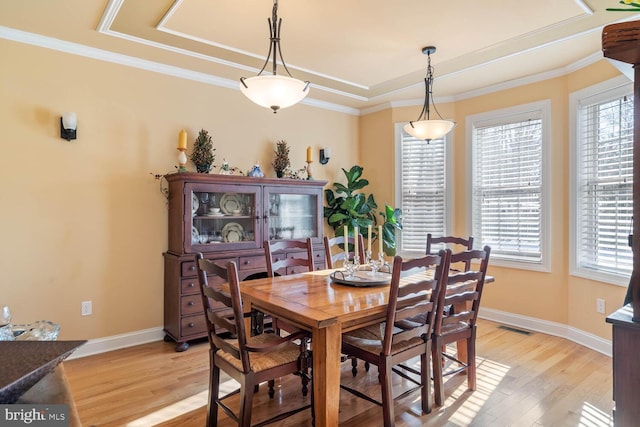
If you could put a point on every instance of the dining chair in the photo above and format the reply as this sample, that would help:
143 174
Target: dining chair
399 338
452 242
334 252
281 262
463 290
249 360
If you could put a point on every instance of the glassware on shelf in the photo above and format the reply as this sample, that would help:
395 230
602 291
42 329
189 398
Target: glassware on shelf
204 202
5 316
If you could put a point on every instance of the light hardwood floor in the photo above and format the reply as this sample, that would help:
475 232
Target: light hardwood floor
523 380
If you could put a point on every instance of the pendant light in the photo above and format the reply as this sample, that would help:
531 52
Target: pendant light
272 90
424 127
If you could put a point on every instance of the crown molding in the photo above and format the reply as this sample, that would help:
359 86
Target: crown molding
130 61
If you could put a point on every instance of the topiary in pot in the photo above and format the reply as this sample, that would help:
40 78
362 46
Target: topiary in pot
203 156
281 162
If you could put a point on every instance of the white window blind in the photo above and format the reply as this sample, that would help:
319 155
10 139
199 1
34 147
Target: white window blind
422 191
508 187
605 185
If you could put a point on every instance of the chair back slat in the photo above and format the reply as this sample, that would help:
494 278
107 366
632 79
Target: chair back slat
278 263
334 249
413 296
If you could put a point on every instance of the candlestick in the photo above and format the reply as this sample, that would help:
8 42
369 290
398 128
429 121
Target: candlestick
182 140
346 243
380 239
309 175
355 242
369 238
182 160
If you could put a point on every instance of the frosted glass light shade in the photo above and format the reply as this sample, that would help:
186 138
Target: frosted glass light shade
274 91
429 129
69 121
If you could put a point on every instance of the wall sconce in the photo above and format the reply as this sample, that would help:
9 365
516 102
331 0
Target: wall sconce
325 155
68 126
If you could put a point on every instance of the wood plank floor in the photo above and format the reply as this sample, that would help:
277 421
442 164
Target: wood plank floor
523 380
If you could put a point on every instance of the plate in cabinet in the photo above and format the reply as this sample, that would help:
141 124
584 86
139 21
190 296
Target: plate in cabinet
230 202
232 232
195 204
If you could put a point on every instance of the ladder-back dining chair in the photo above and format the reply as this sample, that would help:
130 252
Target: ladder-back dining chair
463 290
452 242
412 293
334 249
249 360
280 260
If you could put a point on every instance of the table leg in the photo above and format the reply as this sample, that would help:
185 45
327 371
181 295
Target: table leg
325 344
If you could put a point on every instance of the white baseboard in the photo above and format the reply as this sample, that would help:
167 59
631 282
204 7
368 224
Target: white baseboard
115 342
557 329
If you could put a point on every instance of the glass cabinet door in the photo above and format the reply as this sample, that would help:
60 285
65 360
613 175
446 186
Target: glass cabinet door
292 213
223 217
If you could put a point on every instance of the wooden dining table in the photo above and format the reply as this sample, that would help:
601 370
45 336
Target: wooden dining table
313 303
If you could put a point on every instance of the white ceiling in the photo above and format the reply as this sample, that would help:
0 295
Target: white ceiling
356 53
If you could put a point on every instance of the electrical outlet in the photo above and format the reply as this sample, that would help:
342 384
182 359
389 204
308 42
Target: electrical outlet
600 305
86 308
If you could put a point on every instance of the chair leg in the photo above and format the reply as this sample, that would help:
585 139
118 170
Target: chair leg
214 389
384 376
246 402
425 379
272 392
438 386
471 360
354 366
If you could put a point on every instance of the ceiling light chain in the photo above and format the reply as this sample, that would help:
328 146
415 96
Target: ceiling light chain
424 127
274 91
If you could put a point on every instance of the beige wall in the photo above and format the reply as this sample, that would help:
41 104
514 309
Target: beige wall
85 220
555 296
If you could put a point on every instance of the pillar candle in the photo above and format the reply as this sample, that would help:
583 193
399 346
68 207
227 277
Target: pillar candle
379 239
355 241
309 157
369 238
182 140
346 243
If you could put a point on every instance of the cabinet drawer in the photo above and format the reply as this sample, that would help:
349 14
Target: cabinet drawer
189 286
252 262
193 325
191 304
297 269
188 269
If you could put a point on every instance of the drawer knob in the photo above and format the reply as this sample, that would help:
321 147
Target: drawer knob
191 285
193 267
247 262
191 303
191 324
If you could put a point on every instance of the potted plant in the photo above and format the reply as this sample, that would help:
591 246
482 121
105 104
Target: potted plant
281 162
203 152
348 205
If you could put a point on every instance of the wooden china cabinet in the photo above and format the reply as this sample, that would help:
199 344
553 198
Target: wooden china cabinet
228 218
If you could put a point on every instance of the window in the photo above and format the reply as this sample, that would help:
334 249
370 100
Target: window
509 184
421 190
602 187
